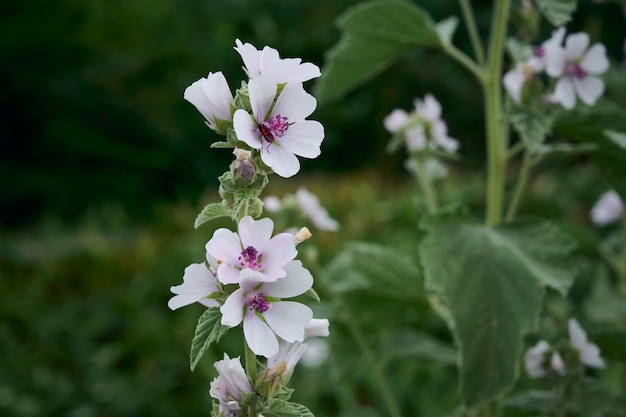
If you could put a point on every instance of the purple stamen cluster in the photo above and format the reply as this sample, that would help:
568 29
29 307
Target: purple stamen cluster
249 258
575 70
278 125
259 303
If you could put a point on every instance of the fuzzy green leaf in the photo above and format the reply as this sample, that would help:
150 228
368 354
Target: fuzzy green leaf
558 12
210 212
375 34
282 408
209 330
532 126
491 282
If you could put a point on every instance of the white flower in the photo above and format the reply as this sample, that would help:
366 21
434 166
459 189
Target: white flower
212 97
253 248
534 358
311 207
589 353
315 354
608 209
198 282
283 133
514 80
229 386
272 204
268 62
265 317
577 69
317 327
396 120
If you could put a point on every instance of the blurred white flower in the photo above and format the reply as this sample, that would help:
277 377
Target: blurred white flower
577 68
229 386
316 353
589 353
534 358
608 209
396 120
198 282
272 203
311 207
212 97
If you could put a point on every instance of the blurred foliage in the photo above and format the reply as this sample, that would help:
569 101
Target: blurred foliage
104 166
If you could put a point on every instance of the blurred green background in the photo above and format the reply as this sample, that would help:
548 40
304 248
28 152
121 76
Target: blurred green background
104 167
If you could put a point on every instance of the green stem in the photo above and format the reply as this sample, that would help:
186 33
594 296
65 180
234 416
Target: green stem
426 185
470 22
522 179
495 125
464 60
377 368
251 368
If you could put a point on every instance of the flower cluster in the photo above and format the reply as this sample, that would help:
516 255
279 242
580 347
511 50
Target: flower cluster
574 67
584 352
422 128
268 114
307 204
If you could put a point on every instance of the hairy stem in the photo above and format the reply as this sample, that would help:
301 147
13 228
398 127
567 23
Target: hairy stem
470 22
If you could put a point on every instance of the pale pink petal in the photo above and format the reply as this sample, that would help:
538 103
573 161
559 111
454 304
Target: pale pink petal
317 327
211 96
303 138
227 274
287 319
575 45
564 93
255 233
262 91
534 357
415 138
224 246
577 336
260 338
430 108
305 72
279 250
589 89
396 120
595 60
513 82
297 281
251 58
294 103
283 162
233 308
607 209
590 356
273 273
555 60
180 300
246 129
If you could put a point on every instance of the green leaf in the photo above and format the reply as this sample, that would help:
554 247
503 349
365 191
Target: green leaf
210 212
589 125
617 138
532 126
208 331
409 343
558 12
284 408
491 282
375 34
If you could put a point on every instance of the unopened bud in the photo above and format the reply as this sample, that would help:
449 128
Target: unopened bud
270 382
301 235
243 164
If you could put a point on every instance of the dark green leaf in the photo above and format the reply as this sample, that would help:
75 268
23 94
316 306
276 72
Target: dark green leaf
558 12
210 212
284 408
532 126
491 281
208 331
617 138
375 34
420 345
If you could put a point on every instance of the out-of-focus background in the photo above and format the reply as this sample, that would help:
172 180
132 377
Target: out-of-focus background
104 167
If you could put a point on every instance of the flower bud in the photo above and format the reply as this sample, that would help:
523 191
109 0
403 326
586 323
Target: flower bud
243 164
301 235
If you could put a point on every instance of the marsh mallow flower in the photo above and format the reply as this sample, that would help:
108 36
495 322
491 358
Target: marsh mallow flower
577 69
589 353
252 248
608 209
265 316
283 133
198 282
230 385
535 358
212 97
310 205
267 61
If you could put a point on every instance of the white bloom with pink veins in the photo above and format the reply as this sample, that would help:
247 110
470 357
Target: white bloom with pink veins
265 316
252 248
283 133
267 61
212 97
589 353
230 385
608 209
577 69
198 282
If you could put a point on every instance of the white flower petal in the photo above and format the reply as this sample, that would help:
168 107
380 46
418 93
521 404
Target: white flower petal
232 310
227 274
287 319
246 129
279 250
211 96
305 72
298 280
259 336
429 109
317 327
294 103
283 162
533 359
255 233
590 356
251 58
396 120
513 82
224 246
272 204
589 89
564 93
608 209
182 300
303 138
575 45
555 60
415 138
262 91
595 60
577 336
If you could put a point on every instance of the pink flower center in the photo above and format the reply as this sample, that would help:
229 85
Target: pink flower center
258 303
274 127
575 70
250 258
539 51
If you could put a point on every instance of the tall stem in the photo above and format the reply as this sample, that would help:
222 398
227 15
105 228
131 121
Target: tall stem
495 125
522 180
470 22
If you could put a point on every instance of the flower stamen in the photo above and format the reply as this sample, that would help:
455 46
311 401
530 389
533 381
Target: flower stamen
250 258
259 303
